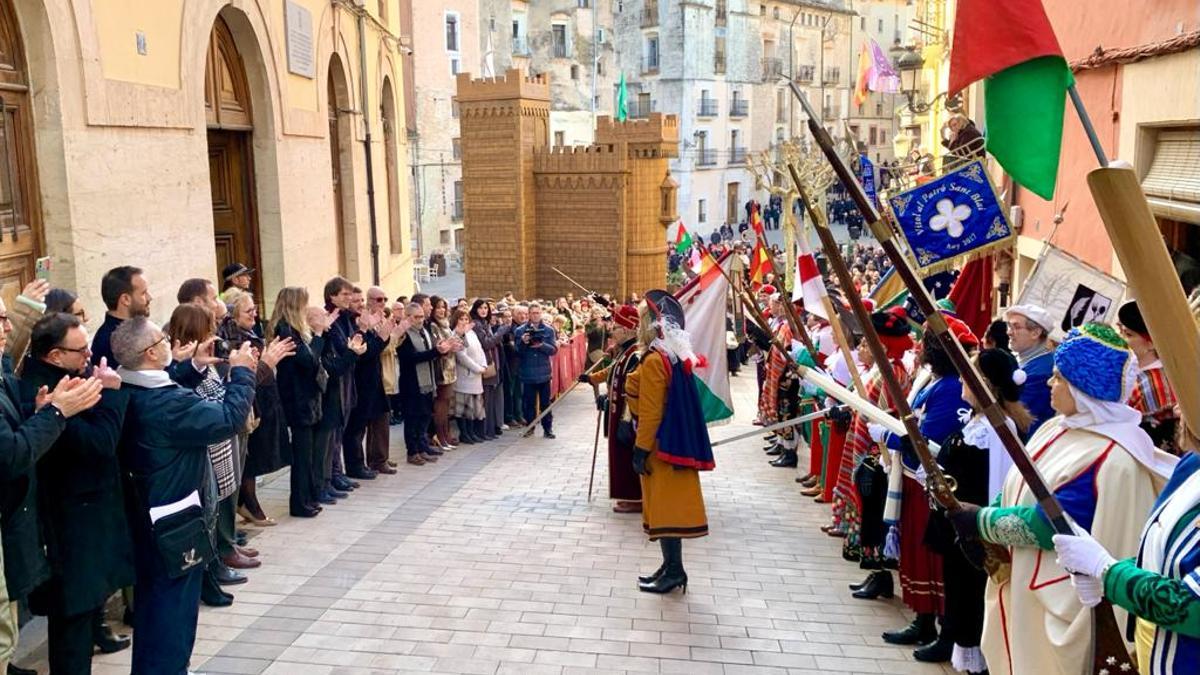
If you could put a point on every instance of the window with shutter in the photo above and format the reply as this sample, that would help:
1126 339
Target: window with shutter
1172 184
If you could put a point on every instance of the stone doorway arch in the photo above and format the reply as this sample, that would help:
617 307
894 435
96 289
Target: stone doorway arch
21 233
340 109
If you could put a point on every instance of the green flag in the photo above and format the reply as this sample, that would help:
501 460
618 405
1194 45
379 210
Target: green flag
622 98
683 240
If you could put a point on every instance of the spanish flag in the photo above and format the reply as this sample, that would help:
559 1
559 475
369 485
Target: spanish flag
759 264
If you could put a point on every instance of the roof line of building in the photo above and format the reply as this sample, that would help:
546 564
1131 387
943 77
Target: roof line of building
1102 58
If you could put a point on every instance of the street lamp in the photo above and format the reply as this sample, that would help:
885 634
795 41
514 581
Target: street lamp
910 64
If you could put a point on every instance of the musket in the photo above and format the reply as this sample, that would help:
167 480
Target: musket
788 310
775 427
1109 643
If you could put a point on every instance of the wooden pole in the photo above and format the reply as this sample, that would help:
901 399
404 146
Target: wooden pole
1109 643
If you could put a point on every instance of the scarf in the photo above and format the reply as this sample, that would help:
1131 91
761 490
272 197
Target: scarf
1119 422
421 341
1040 349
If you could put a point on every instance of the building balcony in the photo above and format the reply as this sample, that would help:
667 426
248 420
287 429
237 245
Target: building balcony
520 46
832 76
650 15
719 64
772 69
649 65
706 157
737 156
805 74
706 107
640 110
739 107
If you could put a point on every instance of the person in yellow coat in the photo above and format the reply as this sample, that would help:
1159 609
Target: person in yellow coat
672 446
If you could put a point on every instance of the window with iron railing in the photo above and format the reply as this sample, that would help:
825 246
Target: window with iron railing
719 64
738 106
559 32
805 73
457 213
520 45
641 108
707 107
650 60
832 75
772 69
706 157
737 155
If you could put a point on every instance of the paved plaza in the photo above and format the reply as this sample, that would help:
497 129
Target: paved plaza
493 561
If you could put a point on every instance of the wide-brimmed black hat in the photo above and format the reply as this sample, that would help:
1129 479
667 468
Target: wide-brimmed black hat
665 306
235 270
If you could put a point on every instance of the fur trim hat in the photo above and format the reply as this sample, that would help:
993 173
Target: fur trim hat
893 329
1095 359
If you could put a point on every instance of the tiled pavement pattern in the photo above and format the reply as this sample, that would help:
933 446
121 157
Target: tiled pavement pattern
492 561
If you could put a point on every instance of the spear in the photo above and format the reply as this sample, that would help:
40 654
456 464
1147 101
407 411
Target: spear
1108 643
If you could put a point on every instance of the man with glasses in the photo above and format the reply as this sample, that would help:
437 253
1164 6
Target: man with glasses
24 439
79 499
368 418
1029 340
165 451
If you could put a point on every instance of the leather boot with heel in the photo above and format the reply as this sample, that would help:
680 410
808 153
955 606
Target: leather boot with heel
464 432
880 585
922 630
673 575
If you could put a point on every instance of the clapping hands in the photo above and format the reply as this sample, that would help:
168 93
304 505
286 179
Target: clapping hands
71 396
108 377
278 350
357 344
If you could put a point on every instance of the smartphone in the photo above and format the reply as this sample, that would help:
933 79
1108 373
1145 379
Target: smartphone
42 268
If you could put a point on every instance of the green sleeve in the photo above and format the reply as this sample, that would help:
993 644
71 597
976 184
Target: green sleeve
1153 597
1016 526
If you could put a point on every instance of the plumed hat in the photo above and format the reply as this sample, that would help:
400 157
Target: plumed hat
1095 359
1130 317
664 306
1000 368
626 316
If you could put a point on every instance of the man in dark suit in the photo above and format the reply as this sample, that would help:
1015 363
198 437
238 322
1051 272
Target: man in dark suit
25 436
80 503
164 449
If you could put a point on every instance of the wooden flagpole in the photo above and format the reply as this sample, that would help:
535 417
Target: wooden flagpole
1109 642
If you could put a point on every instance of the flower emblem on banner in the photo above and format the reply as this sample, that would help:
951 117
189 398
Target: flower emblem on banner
950 218
954 217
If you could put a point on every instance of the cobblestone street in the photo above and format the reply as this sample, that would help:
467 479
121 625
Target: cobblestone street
493 561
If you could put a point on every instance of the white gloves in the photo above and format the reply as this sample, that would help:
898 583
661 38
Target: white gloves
1087 561
1089 589
877 431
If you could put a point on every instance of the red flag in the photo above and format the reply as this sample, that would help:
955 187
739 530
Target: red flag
756 222
972 294
990 36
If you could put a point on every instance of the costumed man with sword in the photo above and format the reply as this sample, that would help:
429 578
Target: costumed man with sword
672 445
624 486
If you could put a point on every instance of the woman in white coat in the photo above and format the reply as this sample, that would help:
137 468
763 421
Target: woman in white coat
468 408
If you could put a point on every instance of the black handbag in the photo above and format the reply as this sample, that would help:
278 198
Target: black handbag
182 541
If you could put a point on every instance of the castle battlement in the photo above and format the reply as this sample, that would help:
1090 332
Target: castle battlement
658 128
513 84
578 159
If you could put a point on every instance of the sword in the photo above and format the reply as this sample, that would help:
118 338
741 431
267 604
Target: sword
577 284
779 425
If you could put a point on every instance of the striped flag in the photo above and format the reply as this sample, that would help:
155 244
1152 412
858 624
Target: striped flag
704 306
809 286
759 260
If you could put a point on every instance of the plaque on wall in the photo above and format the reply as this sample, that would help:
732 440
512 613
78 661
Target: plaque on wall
299 39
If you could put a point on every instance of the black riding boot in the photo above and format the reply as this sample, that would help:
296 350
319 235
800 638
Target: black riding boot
662 543
922 630
464 431
673 576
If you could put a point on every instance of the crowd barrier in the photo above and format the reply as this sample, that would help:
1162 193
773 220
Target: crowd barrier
567 364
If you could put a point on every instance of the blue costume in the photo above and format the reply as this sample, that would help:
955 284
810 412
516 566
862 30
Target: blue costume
1035 395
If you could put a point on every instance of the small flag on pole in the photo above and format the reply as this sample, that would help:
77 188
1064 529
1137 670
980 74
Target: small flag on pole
683 239
622 101
809 286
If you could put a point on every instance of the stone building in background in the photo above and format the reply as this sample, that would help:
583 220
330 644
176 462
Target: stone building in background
598 212
180 136
571 42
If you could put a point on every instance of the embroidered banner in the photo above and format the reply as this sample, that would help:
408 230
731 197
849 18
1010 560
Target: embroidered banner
1071 291
955 216
866 174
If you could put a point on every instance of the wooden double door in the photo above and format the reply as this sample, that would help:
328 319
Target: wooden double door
235 232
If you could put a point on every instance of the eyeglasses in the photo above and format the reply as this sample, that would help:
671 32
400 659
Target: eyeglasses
157 342
379 299
81 350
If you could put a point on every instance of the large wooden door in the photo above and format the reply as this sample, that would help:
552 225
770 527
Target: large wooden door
20 210
229 175
230 159
335 162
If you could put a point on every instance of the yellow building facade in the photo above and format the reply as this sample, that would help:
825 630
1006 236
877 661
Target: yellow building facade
179 136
